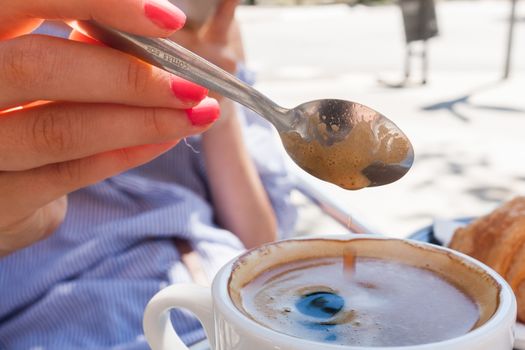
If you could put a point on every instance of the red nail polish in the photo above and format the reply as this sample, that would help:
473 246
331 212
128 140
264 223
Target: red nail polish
171 19
186 90
205 112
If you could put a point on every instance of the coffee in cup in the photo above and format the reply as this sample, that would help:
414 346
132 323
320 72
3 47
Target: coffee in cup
388 301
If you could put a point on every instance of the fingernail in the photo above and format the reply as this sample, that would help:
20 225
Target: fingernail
206 112
185 90
166 18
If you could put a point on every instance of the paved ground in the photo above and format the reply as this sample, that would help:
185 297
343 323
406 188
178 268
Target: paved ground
467 126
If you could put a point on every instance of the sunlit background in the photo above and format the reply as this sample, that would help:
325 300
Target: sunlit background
467 123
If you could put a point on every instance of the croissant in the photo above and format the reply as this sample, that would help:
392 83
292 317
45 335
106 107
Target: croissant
498 240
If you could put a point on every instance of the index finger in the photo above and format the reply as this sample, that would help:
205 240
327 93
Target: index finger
155 18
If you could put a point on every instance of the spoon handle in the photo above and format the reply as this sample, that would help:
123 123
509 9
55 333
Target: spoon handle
171 57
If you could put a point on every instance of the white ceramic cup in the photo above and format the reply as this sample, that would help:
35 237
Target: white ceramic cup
228 328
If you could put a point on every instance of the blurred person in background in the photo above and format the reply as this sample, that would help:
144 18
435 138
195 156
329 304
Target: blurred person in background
100 204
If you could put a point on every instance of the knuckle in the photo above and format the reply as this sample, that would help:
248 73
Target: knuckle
28 61
67 172
125 158
137 76
155 123
53 131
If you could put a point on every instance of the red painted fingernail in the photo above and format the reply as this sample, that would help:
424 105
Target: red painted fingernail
166 18
186 90
205 112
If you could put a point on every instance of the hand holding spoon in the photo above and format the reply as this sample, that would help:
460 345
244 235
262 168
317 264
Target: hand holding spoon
342 142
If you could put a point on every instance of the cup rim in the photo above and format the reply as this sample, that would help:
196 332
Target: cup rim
222 301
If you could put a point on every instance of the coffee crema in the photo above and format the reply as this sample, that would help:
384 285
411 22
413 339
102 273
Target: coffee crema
402 292
385 303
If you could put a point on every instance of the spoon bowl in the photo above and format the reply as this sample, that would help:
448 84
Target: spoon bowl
347 144
342 142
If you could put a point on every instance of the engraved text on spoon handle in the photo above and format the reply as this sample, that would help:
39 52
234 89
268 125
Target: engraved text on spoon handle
175 59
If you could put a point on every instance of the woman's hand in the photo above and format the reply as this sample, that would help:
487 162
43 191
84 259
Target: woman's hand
75 114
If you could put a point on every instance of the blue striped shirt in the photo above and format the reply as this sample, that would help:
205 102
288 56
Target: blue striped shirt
87 285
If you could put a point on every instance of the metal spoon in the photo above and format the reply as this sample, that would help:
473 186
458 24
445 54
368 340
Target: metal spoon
338 141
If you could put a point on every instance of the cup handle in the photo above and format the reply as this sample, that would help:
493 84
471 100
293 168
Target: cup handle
157 325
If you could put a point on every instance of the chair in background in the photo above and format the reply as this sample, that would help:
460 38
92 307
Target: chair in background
420 25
